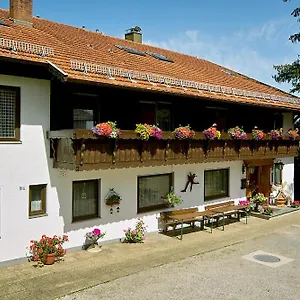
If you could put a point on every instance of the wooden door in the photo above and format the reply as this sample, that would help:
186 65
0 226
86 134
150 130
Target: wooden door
264 180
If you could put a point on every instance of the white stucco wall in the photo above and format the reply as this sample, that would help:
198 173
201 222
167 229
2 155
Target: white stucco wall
24 164
124 181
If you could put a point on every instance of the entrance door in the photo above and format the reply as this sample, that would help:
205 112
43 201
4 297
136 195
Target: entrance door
258 177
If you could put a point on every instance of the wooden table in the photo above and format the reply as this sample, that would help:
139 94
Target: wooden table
234 208
192 216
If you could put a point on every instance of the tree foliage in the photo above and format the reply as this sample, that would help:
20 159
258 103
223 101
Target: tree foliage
291 72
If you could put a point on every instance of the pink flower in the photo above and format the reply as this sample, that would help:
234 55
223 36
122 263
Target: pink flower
124 230
129 228
133 231
144 237
97 231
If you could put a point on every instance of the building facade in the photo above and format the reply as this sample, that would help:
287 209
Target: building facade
55 174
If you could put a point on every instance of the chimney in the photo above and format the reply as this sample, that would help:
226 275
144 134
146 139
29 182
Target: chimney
21 11
134 34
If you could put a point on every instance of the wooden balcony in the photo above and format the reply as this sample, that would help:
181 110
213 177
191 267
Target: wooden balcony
81 150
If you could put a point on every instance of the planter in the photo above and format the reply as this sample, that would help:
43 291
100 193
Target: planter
94 248
49 259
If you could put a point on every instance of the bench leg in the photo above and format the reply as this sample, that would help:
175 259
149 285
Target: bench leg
223 221
181 231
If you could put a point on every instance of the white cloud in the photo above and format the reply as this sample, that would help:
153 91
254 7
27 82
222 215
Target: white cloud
252 52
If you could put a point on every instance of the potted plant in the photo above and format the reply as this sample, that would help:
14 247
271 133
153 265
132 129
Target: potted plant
293 133
145 131
107 129
212 133
93 237
136 235
267 210
183 132
258 200
47 249
257 134
237 133
276 134
112 198
171 199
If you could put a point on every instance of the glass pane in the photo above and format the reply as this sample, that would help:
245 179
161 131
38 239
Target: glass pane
7 113
163 116
277 174
216 183
36 198
83 118
85 198
152 189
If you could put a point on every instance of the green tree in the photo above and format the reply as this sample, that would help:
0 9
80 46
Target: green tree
291 72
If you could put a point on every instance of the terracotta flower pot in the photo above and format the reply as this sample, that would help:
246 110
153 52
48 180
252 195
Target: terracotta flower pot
49 259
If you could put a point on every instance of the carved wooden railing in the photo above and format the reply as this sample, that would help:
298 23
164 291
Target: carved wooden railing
81 150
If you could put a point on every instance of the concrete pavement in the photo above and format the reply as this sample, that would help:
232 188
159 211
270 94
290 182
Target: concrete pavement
81 269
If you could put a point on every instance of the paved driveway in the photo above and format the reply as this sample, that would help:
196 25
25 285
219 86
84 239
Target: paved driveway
222 274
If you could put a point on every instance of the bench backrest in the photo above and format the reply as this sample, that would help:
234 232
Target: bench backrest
177 212
212 206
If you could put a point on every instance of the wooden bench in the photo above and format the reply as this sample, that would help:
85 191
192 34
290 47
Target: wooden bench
225 209
168 222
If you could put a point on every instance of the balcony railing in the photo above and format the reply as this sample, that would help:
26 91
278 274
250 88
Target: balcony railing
81 150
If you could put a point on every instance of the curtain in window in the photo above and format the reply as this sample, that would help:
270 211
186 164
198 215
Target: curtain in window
36 198
216 183
85 198
152 189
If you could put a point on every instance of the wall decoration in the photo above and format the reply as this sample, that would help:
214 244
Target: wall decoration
191 182
112 198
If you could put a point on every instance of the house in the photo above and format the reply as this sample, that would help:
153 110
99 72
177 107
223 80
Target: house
57 81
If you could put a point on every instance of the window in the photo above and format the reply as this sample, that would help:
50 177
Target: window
83 118
151 189
156 113
85 200
216 184
37 200
277 173
10 113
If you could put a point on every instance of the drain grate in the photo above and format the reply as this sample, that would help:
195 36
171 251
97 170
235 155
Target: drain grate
267 258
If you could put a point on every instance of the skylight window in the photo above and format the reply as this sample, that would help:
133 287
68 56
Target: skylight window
231 73
130 50
160 56
3 23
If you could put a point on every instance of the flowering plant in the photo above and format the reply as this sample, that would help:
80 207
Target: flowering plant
257 133
237 133
136 235
244 202
108 129
47 245
276 134
212 133
172 199
293 133
95 235
259 198
184 132
145 131
295 203
267 210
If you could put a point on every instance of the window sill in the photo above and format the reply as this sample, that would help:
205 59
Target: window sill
10 142
38 216
85 219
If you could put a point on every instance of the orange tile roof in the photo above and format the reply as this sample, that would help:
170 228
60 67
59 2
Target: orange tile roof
71 43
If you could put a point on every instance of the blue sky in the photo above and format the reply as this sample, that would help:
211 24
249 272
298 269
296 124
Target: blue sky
249 36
